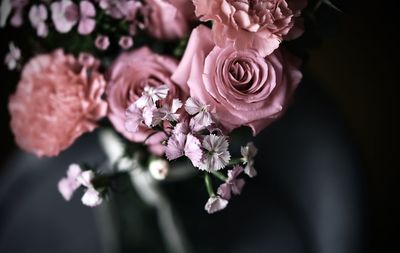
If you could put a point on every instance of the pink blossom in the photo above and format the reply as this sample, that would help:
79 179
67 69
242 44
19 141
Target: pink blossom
38 16
116 8
64 14
169 113
128 77
193 150
248 153
164 20
86 17
56 101
175 146
216 155
134 117
102 42
243 87
91 197
68 185
181 144
256 24
202 118
13 56
215 204
125 42
150 95
18 6
233 184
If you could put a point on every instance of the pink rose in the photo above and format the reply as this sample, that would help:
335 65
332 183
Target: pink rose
257 24
168 19
128 76
243 87
57 100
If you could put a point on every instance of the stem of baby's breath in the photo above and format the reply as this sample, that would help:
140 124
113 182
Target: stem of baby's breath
219 175
207 180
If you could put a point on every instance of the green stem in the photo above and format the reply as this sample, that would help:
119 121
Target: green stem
235 161
219 175
207 181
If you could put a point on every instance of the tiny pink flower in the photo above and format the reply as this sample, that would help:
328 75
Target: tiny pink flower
125 42
134 116
216 155
175 146
203 117
102 42
248 153
193 149
116 8
151 116
64 14
233 184
150 95
38 16
68 185
169 113
215 204
13 56
181 144
18 5
86 19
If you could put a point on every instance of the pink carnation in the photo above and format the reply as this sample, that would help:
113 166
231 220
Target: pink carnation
243 87
56 101
257 24
128 77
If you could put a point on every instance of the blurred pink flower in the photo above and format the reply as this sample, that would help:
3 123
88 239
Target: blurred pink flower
68 185
91 197
128 76
38 16
13 56
56 101
87 13
243 87
65 15
116 8
102 42
164 20
125 42
256 24
18 5
233 184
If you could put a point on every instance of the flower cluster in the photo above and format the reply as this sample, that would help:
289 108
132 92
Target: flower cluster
176 90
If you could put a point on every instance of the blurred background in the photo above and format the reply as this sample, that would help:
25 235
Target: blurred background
356 68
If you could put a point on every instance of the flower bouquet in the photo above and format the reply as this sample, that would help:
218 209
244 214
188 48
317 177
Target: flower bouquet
167 81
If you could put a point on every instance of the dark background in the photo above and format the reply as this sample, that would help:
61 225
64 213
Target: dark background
357 65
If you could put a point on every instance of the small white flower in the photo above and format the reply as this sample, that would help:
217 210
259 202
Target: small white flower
92 197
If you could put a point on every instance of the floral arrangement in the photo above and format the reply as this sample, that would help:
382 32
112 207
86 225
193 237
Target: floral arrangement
173 78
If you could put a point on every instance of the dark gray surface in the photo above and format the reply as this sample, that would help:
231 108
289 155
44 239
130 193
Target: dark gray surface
307 198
